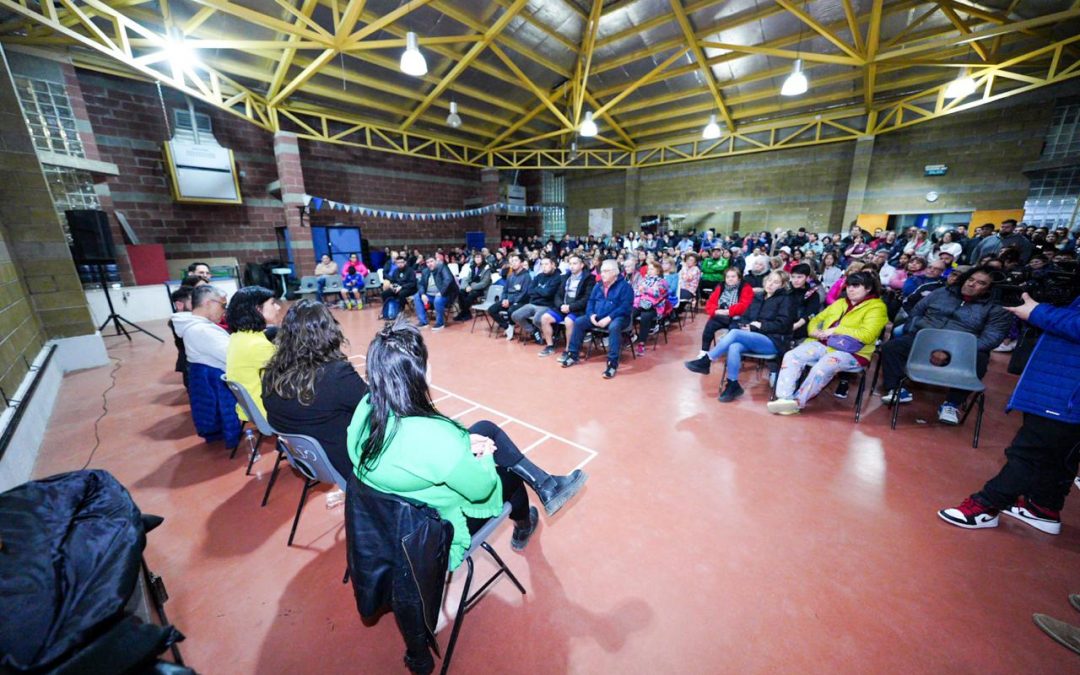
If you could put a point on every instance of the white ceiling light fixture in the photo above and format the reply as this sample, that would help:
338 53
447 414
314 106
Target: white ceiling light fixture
453 120
712 129
963 85
588 126
796 83
412 61
178 53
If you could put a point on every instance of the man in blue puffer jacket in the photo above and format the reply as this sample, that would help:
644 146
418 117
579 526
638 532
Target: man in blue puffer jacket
1043 457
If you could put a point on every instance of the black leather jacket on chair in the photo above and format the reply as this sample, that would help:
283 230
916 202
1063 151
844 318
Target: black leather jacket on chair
398 552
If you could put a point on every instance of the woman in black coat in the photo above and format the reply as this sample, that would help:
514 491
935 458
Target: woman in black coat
765 328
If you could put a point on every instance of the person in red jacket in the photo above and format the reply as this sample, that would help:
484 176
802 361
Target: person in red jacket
728 300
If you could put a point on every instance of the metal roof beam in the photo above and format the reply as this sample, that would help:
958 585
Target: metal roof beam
703 63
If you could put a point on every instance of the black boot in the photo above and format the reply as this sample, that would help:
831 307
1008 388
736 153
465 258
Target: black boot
553 491
524 529
732 391
699 365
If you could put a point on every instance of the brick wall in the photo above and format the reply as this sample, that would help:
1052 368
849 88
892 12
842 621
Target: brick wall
393 182
130 128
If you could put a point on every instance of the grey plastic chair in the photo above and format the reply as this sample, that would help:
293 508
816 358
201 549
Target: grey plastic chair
372 286
307 456
309 287
255 417
959 373
333 285
480 309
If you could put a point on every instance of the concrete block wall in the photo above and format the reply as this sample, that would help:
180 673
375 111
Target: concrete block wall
985 149
40 293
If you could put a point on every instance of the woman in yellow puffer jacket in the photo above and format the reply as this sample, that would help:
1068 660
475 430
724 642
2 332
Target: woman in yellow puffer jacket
842 339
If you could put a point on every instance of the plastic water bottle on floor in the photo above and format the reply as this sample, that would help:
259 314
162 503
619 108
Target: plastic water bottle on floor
335 498
253 446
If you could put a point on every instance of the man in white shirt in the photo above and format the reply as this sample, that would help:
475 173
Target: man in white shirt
886 271
205 341
213 407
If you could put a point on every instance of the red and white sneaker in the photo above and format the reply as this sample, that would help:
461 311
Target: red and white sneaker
1036 516
970 514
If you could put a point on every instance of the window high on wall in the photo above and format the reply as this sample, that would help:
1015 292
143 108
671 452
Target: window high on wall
1052 197
48 114
183 129
553 199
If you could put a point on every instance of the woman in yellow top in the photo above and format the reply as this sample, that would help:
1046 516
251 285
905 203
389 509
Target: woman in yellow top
842 339
251 310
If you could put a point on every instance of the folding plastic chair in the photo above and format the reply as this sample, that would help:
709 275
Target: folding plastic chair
309 287
595 338
959 373
481 309
255 417
307 456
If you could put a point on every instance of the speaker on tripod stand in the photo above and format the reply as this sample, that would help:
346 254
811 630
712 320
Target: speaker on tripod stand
92 246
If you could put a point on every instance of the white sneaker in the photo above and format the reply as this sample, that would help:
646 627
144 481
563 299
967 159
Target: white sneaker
1005 347
948 414
783 406
1076 481
509 333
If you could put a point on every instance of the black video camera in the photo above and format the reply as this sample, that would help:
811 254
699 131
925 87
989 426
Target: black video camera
1054 287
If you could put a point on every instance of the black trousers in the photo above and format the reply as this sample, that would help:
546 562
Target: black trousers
894 356
714 324
506 455
646 319
1040 464
501 315
467 300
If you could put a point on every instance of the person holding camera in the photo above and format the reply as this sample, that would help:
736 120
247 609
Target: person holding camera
1043 458
966 306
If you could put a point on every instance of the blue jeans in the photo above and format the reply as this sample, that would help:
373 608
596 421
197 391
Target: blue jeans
421 313
615 329
735 342
321 282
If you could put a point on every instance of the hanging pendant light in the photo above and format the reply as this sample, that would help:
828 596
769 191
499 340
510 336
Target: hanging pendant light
453 120
573 150
412 61
796 82
963 85
712 129
588 126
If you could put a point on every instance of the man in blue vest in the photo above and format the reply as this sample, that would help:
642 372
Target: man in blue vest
1042 460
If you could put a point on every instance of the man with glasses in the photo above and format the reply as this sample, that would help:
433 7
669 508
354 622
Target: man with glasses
206 344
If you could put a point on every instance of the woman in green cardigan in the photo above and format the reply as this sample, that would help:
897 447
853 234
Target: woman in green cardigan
401 444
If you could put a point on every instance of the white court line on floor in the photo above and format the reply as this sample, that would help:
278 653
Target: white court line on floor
463 412
545 435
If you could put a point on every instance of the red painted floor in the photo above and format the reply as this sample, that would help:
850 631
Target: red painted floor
711 538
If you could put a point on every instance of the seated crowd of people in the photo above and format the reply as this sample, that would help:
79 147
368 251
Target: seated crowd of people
818 308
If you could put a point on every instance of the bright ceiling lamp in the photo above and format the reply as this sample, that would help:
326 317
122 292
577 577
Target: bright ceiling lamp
178 53
588 126
795 83
453 120
712 129
412 61
963 85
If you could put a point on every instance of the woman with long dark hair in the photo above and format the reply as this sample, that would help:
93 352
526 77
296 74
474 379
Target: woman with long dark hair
399 443
309 385
252 310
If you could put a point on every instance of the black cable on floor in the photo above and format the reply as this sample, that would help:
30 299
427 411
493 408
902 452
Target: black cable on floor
104 410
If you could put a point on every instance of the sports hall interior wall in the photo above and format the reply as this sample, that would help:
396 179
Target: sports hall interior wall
986 150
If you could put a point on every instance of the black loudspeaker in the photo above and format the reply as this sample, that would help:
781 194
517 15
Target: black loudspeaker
91 239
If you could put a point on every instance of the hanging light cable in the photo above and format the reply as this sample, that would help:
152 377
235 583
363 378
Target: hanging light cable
963 85
796 83
588 126
712 129
412 61
453 120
